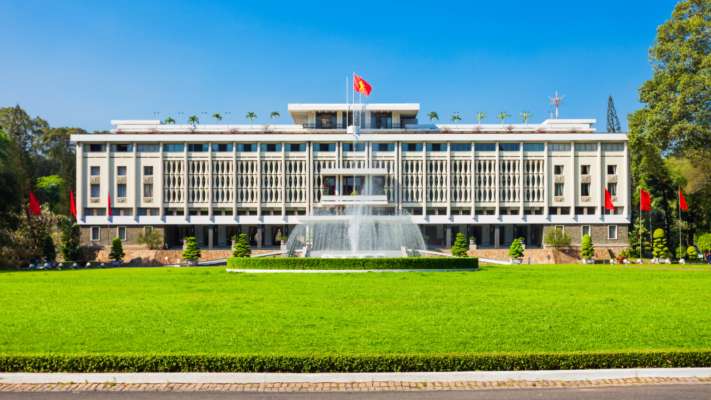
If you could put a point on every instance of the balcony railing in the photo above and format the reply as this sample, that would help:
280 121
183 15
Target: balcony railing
368 125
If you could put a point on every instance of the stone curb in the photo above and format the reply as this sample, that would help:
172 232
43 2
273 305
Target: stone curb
473 376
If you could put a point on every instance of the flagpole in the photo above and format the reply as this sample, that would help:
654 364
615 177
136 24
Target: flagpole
679 222
640 223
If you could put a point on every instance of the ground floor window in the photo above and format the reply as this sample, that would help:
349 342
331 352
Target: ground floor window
95 233
612 232
586 230
122 233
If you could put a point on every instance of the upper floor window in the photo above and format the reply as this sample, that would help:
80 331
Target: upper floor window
558 170
121 171
612 188
324 147
271 147
295 147
222 147
148 171
461 146
412 147
485 146
122 148
584 170
94 148
353 146
612 169
247 148
509 146
613 146
198 147
121 190
436 146
585 189
95 171
95 191
174 148
559 147
383 147
148 148
534 147
586 146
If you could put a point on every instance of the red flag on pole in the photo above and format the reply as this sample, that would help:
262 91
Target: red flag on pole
682 201
109 204
646 201
72 204
34 205
608 201
361 86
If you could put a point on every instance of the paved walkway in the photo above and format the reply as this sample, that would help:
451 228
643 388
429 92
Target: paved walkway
305 387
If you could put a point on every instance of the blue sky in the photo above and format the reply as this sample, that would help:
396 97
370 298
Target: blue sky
84 63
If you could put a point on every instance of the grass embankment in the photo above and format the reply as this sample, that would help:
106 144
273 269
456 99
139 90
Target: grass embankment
525 311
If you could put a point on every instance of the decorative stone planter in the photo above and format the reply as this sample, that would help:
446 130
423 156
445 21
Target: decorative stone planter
192 263
234 242
516 261
116 264
472 245
588 261
661 261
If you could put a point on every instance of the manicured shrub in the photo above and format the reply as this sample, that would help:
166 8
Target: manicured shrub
660 245
152 238
354 263
680 252
704 242
692 253
353 362
242 248
516 250
557 239
116 250
460 247
192 250
587 249
48 251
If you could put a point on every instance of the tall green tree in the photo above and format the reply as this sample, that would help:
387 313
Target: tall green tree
613 123
433 116
251 117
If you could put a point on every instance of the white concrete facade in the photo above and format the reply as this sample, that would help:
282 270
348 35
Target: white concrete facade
266 175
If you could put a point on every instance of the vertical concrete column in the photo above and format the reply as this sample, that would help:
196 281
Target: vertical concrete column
473 182
449 182
309 178
497 236
448 235
521 181
260 233
158 183
424 180
546 186
209 185
573 182
283 181
259 181
234 181
186 213
497 184
137 184
397 196
210 233
79 200
601 184
109 174
627 182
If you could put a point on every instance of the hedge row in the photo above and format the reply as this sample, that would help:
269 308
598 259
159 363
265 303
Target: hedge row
353 363
354 263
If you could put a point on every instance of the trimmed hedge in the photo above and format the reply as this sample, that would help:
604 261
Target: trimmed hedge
352 363
354 263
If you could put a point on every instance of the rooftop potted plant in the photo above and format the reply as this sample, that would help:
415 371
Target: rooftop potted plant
472 243
502 117
251 117
274 115
456 118
525 115
481 115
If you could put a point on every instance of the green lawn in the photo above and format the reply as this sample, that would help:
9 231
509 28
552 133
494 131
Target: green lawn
499 309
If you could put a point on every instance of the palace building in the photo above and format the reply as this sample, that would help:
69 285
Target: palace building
494 182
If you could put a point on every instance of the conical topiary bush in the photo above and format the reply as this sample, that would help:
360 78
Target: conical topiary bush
460 247
242 248
192 251
660 249
516 251
116 250
587 249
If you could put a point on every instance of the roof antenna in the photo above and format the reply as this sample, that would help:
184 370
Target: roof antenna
556 101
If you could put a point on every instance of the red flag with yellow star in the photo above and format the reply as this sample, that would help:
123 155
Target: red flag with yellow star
361 86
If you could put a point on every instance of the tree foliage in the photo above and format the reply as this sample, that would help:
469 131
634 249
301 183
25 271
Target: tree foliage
557 239
587 250
460 247
192 250
613 123
116 250
704 242
70 235
242 248
49 252
151 238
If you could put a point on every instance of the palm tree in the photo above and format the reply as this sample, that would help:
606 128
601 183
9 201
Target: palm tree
525 115
481 115
251 116
217 117
455 118
502 117
274 115
433 115
169 121
193 120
